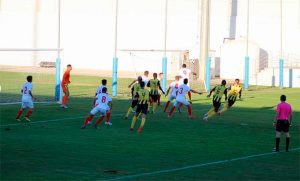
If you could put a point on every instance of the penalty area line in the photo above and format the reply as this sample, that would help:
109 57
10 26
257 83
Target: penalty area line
50 120
194 166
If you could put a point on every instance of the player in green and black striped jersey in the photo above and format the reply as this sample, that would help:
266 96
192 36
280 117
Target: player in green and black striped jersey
219 91
134 89
143 98
154 85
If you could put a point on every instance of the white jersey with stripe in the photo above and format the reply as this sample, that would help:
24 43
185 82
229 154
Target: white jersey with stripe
99 90
26 88
182 90
174 86
102 101
185 73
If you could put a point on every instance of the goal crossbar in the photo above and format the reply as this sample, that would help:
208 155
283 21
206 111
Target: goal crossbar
30 49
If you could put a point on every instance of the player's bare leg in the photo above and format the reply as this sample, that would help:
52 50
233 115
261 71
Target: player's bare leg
140 129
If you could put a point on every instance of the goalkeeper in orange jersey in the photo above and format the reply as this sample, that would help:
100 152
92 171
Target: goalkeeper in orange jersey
64 84
219 91
234 91
134 89
154 85
142 97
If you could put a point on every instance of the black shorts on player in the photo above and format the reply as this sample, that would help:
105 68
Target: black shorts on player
143 108
216 105
154 97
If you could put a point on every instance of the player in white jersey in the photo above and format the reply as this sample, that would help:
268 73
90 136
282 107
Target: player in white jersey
180 98
145 79
184 73
103 106
27 99
173 87
99 89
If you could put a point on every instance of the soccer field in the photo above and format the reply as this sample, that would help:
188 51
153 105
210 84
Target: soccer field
236 146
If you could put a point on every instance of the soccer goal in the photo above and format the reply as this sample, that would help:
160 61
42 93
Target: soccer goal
42 64
133 63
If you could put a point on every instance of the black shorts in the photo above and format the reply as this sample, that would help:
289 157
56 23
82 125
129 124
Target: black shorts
216 105
134 103
154 97
230 102
143 108
282 125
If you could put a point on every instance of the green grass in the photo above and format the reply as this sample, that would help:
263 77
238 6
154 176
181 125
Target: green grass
53 147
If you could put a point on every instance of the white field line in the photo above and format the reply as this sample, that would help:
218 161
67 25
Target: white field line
51 120
14 103
193 166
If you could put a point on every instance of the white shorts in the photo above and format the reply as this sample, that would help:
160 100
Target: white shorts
172 97
100 110
181 100
27 104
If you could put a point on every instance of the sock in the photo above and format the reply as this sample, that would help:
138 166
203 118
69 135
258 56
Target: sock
133 121
154 106
19 114
287 143
143 122
158 100
190 95
139 115
129 111
29 113
107 116
277 144
99 120
89 118
180 105
166 106
189 110
211 112
171 111
64 100
225 108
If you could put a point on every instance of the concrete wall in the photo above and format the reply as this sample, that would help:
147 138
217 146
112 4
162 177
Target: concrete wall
87 31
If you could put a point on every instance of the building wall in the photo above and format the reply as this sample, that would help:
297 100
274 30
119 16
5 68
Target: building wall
87 30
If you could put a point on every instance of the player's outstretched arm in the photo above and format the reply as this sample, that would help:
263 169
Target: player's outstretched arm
132 83
240 94
168 91
211 92
160 88
197 92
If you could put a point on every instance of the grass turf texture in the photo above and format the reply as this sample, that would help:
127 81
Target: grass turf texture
53 147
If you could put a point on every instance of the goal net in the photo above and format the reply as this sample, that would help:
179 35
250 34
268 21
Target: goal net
133 63
15 66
